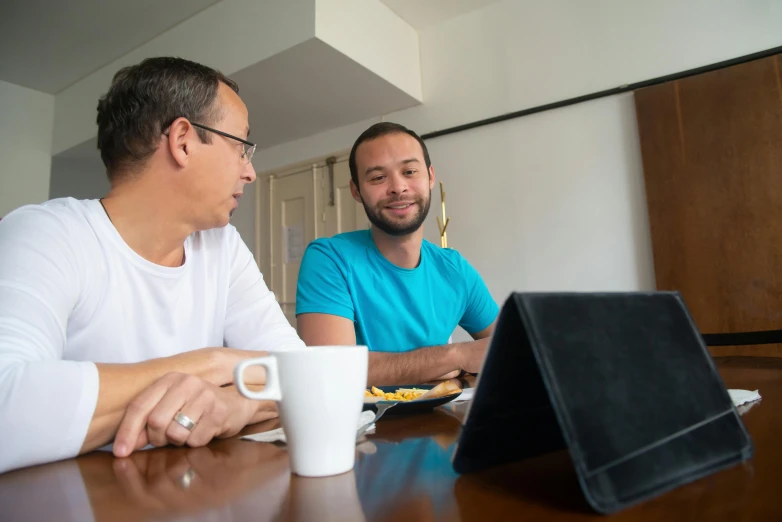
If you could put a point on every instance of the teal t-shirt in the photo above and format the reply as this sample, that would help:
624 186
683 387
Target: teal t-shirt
393 309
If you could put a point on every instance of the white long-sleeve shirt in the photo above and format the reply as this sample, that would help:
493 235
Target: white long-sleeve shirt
73 293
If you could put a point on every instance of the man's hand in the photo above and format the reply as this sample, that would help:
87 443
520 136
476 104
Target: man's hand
470 354
450 375
420 365
121 383
149 418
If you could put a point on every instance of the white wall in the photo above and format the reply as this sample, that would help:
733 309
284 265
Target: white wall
80 179
516 54
554 201
239 36
252 30
374 36
26 122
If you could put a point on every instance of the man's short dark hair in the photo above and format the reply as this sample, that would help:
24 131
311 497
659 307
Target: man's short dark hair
145 99
376 131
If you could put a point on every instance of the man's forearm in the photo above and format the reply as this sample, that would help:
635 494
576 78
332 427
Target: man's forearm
416 366
120 383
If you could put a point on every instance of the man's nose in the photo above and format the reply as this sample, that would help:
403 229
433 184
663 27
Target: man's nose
249 173
397 185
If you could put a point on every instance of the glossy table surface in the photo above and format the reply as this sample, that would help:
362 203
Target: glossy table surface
403 472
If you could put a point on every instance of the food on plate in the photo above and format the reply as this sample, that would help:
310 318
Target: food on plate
411 394
441 390
401 394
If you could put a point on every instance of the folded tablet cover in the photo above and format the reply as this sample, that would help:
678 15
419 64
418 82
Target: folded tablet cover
623 381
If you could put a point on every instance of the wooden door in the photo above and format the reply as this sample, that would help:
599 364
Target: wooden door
712 156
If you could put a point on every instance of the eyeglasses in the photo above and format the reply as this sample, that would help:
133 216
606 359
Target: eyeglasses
249 148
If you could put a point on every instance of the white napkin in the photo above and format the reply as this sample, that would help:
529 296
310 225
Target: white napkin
740 397
278 435
466 395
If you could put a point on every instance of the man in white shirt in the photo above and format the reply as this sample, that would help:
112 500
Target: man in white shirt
114 314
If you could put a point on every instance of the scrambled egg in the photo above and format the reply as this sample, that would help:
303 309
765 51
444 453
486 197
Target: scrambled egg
402 394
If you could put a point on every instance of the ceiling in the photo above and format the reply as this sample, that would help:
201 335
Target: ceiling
48 45
321 88
421 14
304 90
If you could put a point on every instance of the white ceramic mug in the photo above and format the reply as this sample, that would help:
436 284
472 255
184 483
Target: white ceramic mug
320 391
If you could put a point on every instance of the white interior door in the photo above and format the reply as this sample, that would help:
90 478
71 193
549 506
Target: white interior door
302 209
293 217
341 213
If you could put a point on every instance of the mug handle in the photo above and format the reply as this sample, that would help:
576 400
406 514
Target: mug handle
272 390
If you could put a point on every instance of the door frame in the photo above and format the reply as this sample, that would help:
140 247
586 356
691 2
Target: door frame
264 191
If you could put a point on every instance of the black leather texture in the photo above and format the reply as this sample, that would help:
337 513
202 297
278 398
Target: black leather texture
622 380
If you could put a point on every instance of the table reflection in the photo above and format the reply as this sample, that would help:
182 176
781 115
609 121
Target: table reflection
409 473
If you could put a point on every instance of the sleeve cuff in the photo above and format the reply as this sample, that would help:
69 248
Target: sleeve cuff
82 416
340 311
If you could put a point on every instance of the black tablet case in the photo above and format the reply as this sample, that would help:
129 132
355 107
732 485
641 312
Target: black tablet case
622 380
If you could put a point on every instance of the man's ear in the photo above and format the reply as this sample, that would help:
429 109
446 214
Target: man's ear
431 176
180 141
354 192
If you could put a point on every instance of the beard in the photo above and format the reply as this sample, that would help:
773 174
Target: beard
394 227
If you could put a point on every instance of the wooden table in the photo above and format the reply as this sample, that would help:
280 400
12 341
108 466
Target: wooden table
402 473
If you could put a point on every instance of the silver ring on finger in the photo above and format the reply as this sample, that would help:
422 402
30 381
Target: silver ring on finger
184 421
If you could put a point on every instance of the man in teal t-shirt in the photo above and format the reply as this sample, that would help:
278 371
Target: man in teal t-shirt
387 287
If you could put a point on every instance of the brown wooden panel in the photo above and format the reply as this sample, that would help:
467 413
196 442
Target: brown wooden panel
712 156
